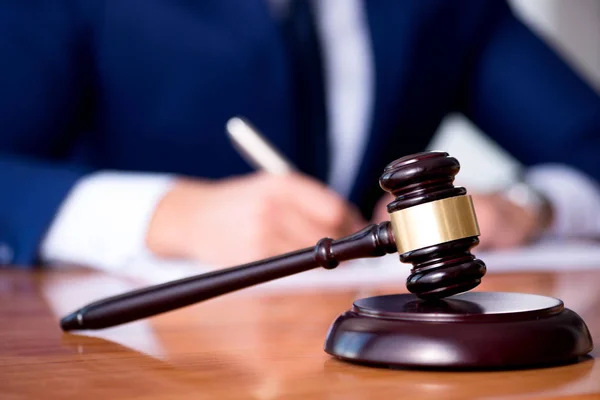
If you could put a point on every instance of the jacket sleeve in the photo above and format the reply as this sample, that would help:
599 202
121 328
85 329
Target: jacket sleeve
41 93
526 97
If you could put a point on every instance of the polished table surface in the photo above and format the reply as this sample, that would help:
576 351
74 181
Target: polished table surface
257 344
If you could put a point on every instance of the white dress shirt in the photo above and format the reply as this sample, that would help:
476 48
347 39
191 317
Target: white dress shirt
103 221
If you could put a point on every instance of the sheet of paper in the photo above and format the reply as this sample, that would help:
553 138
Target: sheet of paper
543 256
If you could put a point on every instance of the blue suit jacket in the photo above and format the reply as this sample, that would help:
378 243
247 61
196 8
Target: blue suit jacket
147 85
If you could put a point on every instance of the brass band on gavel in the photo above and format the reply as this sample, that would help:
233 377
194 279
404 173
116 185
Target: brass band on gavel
434 222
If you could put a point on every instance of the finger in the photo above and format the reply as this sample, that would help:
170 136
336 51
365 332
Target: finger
280 244
517 225
303 232
488 221
380 213
356 221
507 224
321 204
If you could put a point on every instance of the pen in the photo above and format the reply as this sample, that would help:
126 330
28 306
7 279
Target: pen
255 149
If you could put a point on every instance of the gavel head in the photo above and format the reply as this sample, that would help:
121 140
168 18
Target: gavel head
434 224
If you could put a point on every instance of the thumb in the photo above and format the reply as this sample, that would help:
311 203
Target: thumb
380 212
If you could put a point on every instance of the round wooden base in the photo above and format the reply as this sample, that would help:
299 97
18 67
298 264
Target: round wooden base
469 330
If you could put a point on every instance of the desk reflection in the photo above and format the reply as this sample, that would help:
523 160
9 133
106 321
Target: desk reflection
258 344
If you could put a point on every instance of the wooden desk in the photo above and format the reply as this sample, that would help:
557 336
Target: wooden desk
258 343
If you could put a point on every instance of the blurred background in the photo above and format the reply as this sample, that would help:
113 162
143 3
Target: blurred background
108 218
573 29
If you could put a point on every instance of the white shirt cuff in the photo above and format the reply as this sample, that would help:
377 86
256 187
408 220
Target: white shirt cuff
103 221
574 197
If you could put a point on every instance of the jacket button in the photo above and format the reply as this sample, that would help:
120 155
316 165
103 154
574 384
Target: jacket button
6 254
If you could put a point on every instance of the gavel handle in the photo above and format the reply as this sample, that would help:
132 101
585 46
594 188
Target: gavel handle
372 241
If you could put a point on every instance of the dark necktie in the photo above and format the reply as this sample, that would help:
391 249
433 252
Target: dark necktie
306 67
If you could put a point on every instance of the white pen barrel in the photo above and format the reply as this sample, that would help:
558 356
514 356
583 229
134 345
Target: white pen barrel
256 149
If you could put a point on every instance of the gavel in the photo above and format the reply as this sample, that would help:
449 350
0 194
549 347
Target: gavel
432 225
440 323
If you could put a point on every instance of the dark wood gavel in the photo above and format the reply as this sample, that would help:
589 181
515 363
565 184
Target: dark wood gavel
432 225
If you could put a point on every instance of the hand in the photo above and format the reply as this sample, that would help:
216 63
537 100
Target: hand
247 218
380 212
502 223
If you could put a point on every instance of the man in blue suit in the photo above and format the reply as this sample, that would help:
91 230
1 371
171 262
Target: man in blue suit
112 116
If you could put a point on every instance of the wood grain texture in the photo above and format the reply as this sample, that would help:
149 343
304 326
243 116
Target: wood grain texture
260 343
